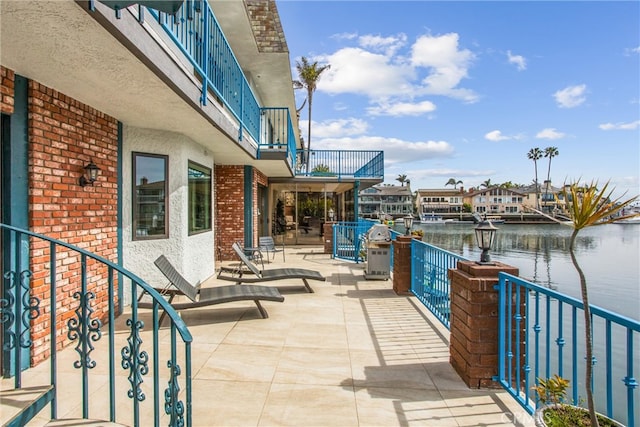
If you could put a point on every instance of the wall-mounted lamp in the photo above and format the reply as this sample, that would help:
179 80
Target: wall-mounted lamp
408 223
331 213
485 234
90 174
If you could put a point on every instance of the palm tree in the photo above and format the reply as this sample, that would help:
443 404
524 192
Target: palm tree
535 154
308 75
590 207
486 184
452 181
402 179
549 152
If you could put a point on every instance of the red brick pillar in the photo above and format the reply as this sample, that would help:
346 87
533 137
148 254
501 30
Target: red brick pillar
327 237
474 321
402 265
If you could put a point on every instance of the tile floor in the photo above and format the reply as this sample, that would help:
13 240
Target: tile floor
351 354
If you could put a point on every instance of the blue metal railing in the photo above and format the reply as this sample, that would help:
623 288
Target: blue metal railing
430 281
197 34
276 134
341 164
58 269
348 240
541 333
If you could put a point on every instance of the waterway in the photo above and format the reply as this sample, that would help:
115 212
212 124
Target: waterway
609 256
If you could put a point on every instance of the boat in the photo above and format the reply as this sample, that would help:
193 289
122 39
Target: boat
433 219
495 219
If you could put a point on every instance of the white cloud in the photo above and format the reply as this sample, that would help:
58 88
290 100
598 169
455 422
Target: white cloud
571 96
388 45
447 63
358 71
402 109
395 150
378 70
496 135
632 50
550 133
336 128
620 126
519 61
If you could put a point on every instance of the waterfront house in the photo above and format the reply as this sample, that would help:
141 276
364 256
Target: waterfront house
439 200
393 200
496 200
133 132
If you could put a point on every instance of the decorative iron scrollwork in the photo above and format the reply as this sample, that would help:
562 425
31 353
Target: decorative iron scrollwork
135 360
84 329
173 406
30 309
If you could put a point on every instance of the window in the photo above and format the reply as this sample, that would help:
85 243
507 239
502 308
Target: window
199 198
150 173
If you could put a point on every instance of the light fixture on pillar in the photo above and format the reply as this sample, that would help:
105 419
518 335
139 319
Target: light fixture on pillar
485 234
331 213
90 174
408 223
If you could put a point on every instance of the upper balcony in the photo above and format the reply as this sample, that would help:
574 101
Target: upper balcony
340 165
211 72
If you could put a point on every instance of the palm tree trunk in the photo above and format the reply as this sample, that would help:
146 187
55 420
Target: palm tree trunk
548 182
535 165
309 96
588 334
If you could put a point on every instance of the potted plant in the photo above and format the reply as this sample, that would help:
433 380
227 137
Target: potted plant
589 206
554 412
417 233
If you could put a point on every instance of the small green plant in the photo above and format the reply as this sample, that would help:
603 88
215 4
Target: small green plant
553 392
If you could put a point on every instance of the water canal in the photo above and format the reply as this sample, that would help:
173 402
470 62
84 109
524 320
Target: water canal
609 256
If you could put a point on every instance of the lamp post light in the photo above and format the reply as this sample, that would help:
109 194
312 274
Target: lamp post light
331 213
485 234
408 223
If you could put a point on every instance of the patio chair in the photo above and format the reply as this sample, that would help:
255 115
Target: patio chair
200 297
254 275
268 245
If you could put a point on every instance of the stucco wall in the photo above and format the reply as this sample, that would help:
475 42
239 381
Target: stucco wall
192 255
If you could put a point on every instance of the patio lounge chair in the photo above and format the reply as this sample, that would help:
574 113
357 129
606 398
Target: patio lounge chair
254 275
199 297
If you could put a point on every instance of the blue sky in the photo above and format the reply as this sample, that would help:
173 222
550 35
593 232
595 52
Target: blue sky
464 90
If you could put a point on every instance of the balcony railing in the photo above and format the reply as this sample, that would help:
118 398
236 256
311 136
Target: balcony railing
277 140
198 35
430 282
38 272
541 333
340 164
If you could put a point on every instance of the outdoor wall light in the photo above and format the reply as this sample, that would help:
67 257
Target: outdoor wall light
331 213
485 234
408 223
90 174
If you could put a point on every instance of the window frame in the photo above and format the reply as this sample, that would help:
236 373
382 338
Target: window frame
134 196
202 168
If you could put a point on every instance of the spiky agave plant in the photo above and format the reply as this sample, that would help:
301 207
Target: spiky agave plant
588 207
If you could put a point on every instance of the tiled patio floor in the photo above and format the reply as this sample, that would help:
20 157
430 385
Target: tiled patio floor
351 354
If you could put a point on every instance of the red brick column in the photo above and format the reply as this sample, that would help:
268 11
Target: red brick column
474 321
402 265
327 237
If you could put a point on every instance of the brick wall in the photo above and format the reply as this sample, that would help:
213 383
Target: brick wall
229 208
266 26
259 179
64 135
7 78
